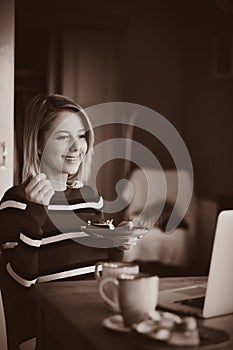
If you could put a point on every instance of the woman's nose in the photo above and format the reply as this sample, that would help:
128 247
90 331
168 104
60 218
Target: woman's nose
75 145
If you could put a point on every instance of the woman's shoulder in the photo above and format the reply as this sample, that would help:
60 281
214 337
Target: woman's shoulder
16 193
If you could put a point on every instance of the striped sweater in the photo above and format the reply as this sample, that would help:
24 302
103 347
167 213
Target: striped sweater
46 243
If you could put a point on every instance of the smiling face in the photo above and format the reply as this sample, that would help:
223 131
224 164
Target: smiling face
63 146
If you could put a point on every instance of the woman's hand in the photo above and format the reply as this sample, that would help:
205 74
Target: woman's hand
129 244
39 190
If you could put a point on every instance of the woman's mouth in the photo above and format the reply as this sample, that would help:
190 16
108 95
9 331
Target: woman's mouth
71 159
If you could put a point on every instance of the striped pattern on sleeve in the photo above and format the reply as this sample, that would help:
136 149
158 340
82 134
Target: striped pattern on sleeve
49 243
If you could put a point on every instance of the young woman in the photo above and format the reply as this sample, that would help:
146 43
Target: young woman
40 219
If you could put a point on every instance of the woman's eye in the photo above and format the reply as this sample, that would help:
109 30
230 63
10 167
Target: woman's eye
63 137
82 136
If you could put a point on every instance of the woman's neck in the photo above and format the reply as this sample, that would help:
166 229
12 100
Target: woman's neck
58 186
59 183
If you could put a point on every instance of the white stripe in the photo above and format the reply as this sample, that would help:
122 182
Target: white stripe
8 245
65 274
62 237
30 241
94 205
19 279
52 239
13 204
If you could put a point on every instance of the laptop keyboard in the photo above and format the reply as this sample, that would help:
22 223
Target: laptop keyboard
195 302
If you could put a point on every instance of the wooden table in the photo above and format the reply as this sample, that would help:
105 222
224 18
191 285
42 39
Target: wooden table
71 314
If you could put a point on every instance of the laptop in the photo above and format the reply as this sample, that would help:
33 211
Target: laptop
213 297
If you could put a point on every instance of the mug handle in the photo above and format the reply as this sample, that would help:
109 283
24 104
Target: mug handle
115 306
98 268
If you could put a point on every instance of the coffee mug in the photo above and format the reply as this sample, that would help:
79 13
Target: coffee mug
137 295
113 269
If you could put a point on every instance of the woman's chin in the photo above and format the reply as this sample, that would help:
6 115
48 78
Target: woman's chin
71 169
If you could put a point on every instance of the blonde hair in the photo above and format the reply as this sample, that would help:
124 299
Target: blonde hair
40 113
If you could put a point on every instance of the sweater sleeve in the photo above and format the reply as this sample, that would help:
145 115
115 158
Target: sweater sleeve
21 225
12 212
24 264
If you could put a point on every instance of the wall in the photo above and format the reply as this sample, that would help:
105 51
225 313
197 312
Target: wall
207 100
152 58
6 93
164 62
152 68
168 66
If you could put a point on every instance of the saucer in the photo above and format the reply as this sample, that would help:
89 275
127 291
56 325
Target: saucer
173 331
118 234
115 323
